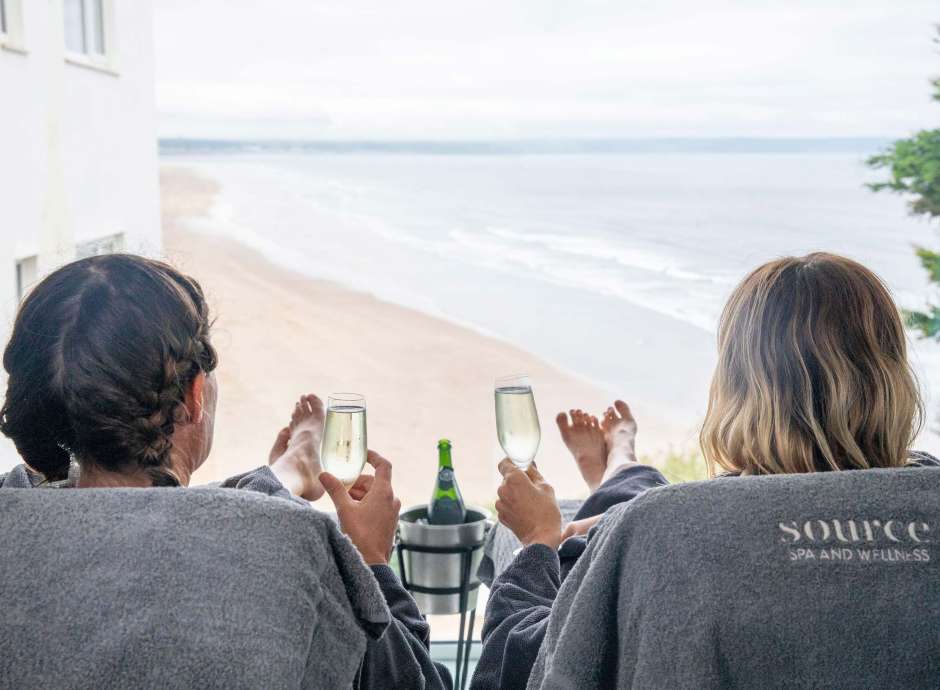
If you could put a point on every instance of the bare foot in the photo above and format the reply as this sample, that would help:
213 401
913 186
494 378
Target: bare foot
298 463
280 445
585 440
619 428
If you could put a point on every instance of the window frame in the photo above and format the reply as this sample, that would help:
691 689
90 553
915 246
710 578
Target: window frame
103 62
11 33
25 282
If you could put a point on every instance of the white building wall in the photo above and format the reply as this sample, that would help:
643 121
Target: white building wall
78 149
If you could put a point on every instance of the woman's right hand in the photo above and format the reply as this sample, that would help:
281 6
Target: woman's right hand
368 511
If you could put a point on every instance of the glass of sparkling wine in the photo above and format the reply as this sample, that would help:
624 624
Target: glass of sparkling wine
517 421
344 447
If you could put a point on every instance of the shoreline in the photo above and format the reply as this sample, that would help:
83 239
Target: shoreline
424 377
657 360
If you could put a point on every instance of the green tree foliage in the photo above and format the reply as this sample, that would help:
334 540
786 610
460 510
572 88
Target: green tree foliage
679 465
913 165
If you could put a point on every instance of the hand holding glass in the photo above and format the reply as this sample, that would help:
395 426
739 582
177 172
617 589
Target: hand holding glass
344 446
517 421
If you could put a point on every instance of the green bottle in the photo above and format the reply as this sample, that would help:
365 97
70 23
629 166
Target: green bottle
446 506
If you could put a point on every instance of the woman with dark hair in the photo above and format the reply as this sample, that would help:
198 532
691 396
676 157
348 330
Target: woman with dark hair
110 373
110 384
812 376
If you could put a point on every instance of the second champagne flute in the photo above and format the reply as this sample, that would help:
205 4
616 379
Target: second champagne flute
345 445
517 421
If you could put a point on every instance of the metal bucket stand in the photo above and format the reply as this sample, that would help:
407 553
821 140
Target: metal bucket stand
465 639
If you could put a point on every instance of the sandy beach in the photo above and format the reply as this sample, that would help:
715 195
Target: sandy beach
281 334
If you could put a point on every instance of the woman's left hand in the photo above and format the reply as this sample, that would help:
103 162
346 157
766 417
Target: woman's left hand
527 506
579 528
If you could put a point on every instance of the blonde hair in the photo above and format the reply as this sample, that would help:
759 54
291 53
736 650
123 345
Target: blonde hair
812 373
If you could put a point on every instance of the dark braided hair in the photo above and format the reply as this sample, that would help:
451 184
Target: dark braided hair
102 353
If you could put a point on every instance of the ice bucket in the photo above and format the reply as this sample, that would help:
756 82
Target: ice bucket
454 546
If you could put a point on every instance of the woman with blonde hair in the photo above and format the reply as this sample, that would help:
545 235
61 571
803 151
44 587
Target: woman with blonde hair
812 376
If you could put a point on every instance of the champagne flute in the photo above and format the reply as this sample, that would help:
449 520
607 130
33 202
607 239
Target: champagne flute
517 421
344 446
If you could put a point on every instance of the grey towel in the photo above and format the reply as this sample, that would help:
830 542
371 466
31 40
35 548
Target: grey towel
162 588
824 580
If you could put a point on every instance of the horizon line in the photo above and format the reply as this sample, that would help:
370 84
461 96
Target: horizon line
570 145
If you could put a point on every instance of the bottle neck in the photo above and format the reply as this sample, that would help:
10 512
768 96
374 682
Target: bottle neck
444 459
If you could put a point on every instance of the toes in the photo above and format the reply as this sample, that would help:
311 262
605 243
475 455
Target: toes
316 405
624 410
610 417
307 410
302 408
561 419
310 405
594 422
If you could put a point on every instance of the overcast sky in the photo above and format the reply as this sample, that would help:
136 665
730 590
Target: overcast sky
456 69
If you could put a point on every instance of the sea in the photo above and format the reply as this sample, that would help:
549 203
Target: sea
611 260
